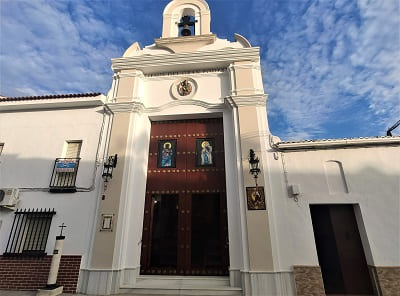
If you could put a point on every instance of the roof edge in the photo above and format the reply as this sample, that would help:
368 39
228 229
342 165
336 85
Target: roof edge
45 97
338 143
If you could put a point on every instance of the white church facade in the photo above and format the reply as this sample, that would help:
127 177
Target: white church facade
203 199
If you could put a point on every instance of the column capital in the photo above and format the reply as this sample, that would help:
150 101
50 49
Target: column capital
247 100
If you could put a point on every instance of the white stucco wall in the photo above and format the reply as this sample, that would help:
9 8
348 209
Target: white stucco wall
212 87
372 178
32 141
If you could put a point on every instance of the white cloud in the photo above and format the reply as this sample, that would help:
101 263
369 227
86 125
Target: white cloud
324 62
328 60
54 47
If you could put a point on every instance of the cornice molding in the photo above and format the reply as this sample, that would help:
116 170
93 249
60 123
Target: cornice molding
245 66
247 100
169 41
204 12
139 107
150 64
133 106
254 91
202 73
133 73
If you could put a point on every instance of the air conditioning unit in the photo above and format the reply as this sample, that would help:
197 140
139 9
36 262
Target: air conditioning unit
9 198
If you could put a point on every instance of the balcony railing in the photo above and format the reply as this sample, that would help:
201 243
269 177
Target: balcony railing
64 175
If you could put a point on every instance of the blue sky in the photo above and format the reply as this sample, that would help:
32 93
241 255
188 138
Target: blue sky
331 68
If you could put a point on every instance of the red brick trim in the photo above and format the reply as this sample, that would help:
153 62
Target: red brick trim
22 273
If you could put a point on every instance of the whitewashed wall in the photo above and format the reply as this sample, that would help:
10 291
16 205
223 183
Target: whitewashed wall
370 178
32 141
212 87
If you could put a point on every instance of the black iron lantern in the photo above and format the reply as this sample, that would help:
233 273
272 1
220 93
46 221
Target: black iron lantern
109 165
254 162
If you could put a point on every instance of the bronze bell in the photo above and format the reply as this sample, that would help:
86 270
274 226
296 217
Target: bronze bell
186 31
186 23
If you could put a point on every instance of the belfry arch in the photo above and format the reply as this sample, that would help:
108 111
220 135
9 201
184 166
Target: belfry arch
174 12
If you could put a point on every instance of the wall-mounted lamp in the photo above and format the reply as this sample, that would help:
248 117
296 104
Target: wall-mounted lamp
254 162
255 195
109 165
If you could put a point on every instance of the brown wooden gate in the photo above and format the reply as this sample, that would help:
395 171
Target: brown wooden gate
185 221
340 251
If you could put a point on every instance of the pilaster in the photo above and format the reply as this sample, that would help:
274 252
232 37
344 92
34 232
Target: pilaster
261 275
128 85
104 241
105 260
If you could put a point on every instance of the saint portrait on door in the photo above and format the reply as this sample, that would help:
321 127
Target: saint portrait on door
205 152
166 154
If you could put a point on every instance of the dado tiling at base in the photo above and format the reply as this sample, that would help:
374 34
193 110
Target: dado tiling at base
18 273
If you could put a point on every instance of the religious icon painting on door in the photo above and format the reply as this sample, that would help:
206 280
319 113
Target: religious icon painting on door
205 152
166 154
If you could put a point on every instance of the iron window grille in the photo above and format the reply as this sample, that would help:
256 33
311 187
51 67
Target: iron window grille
29 232
64 175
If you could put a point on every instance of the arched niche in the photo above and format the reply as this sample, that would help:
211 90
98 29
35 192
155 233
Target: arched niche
335 177
176 9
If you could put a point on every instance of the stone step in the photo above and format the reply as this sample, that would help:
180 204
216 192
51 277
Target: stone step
181 285
182 291
179 281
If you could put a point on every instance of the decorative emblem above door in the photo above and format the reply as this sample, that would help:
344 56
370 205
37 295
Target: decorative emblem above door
184 88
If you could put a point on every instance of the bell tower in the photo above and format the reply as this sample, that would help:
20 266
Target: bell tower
179 13
186 26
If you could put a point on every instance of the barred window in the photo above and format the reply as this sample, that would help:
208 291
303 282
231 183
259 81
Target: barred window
29 232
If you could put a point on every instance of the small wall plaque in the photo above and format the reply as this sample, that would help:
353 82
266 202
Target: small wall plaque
255 198
106 222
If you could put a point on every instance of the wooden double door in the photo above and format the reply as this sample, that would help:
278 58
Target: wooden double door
185 228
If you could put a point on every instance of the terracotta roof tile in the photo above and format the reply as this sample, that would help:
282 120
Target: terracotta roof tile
45 97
